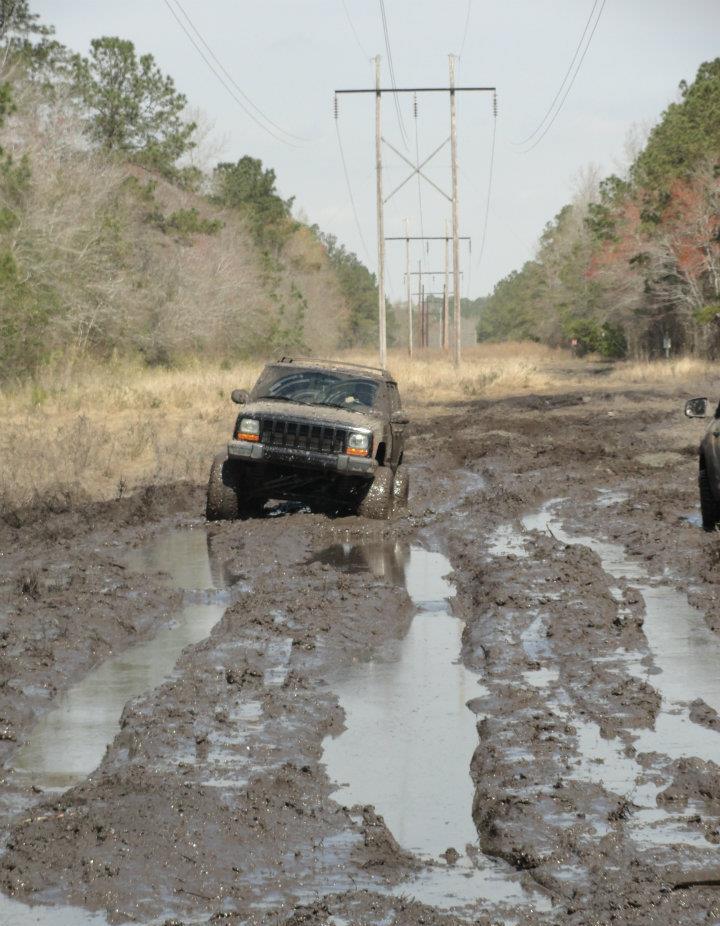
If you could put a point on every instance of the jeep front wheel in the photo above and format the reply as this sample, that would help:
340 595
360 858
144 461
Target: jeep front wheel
401 487
222 491
378 503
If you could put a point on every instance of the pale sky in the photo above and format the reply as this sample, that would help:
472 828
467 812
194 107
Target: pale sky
289 56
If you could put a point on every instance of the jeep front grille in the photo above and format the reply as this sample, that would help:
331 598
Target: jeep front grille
302 435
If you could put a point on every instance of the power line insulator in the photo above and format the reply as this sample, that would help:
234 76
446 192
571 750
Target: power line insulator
336 106
495 107
415 105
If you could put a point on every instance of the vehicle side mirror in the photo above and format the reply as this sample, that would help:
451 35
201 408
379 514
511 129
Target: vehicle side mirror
399 418
696 408
240 396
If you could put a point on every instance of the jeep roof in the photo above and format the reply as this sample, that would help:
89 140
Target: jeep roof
340 366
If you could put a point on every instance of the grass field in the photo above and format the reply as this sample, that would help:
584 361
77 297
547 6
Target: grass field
107 430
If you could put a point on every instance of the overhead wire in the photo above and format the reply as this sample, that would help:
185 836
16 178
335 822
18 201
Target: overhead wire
572 79
349 189
354 31
227 87
231 78
465 31
417 157
391 66
490 183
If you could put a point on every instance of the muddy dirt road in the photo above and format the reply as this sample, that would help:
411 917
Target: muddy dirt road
503 707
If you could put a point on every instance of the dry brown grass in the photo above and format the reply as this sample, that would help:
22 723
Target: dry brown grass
104 431
113 429
682 370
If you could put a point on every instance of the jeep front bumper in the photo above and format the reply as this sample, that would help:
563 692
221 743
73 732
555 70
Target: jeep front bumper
302 459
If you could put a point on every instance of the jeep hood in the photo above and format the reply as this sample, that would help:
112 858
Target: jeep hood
368 418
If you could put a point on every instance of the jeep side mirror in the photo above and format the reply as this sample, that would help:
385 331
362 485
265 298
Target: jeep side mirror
239 396
399 418
696 408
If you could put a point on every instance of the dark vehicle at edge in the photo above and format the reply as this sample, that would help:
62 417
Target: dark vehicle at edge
325 433
709 470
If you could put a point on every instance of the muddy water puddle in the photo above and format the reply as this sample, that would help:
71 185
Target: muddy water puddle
69 742
13 913
410 736
685 657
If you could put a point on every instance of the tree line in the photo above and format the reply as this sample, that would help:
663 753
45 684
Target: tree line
119 114
632 263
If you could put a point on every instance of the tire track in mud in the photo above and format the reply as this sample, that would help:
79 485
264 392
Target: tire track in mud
562 653
180 789
570 676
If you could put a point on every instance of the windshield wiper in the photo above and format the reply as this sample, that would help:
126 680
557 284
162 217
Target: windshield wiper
356 407
282 398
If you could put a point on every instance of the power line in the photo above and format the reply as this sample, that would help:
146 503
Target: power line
465 32
354 31
235 97
565 78
231 79
417 159
349 190
570 85
490 183
393 82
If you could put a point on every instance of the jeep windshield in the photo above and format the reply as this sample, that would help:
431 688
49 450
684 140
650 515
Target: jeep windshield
316 387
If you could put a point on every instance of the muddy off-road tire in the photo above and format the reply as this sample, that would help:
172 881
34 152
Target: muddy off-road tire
222 490
709 506
401 488
378 503
225 495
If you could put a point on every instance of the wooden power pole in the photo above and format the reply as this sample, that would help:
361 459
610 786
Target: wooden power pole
409 297
446 296
382 324
417 169
445 330
457 313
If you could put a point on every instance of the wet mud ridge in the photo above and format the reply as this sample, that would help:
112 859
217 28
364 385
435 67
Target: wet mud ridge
501 708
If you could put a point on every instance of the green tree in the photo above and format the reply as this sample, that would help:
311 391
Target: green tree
133 108
27 45
251 189
510 312
688 132
359 287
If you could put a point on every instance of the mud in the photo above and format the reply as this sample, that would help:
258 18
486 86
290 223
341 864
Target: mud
502 707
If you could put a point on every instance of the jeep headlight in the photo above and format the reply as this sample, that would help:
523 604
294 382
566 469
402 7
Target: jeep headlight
358 443
248 429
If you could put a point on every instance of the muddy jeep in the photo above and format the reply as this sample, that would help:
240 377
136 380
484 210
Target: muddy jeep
709 472
328 434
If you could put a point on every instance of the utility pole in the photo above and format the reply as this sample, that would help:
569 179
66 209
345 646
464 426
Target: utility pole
424 318
453 91
446 298
457 312
420 273
409 300
382 330
420 307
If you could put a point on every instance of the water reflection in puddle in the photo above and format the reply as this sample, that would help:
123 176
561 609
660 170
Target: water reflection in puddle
685 654
13 913
683 647
414 693
69 742
407 697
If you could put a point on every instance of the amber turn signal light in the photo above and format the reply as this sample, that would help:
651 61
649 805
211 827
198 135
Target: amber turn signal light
242 435
357 452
